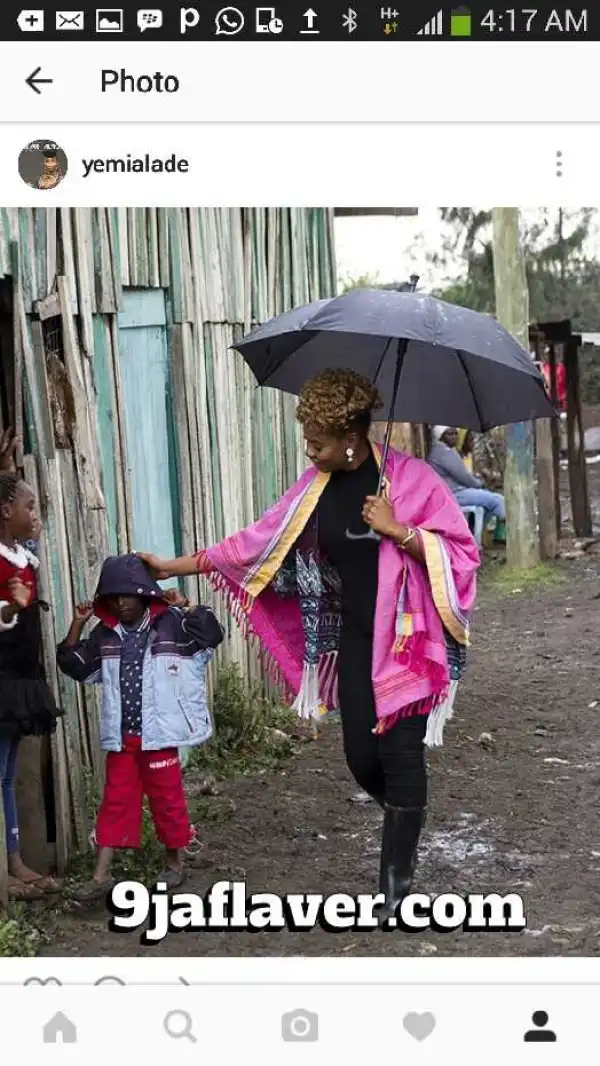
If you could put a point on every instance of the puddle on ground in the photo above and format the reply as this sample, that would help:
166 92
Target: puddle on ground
470 841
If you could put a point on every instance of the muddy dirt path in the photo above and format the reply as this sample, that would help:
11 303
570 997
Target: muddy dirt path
517 812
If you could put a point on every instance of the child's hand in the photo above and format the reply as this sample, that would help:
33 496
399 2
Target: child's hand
8 447
83 612
20 594
175 599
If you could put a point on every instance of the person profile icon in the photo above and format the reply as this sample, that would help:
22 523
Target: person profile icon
43 165
539 1035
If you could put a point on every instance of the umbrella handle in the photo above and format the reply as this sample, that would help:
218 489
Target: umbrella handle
402 346
371 535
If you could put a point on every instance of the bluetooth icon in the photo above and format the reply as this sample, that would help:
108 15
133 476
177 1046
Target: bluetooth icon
350 20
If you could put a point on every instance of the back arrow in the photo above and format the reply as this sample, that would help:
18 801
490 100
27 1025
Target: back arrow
33 81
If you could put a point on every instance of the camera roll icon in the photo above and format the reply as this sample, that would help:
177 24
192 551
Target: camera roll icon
300 1025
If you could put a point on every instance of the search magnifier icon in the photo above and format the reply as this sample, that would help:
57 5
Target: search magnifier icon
178 1024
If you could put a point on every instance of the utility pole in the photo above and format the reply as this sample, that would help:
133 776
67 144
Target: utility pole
512 311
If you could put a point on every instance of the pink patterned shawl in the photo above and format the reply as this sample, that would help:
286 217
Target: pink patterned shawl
415 602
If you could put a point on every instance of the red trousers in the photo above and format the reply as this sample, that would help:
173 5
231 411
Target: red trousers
131 774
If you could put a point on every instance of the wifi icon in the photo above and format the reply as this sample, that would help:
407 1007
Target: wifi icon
433 28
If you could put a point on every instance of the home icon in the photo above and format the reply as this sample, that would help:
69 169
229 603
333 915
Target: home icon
59 1030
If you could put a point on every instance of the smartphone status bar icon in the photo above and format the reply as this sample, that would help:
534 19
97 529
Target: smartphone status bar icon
31 21
460 22
433 28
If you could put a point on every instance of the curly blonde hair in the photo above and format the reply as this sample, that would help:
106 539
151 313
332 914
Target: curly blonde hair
332 401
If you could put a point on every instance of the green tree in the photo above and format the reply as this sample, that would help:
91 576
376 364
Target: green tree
563 278
564 281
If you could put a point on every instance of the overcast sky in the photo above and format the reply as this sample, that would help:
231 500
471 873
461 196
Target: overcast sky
386 248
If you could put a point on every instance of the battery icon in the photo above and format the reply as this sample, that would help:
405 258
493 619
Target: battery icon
460 22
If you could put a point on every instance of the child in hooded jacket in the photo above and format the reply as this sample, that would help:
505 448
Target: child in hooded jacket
149 651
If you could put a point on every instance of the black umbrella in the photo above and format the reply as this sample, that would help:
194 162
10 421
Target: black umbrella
433 362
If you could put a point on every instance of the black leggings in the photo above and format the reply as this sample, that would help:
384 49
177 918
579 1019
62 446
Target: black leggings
390 767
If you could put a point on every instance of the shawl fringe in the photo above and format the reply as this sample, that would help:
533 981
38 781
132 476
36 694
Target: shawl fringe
318 687
308 703
411 710
239 607
439 709
439 715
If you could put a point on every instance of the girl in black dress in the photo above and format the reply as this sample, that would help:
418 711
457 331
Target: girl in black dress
27 706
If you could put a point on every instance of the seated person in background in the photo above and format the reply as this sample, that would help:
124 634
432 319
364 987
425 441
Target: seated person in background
484 455
468 490
464 447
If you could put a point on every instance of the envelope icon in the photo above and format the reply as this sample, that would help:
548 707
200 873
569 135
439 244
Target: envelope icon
69 20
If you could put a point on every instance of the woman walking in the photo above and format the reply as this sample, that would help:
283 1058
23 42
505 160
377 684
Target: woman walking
383 620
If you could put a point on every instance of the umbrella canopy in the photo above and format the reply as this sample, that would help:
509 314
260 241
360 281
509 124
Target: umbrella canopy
460 367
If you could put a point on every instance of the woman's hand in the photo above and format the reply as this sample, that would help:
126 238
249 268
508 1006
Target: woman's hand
377 513
20 594
156 565
83 612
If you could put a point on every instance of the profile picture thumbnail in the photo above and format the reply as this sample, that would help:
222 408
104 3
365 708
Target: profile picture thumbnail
43 164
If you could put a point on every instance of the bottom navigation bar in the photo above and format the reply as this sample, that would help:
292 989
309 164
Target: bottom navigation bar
353 1023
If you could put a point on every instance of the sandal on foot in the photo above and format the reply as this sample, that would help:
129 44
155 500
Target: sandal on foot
93 891
48 885
21 892
173 878
195 847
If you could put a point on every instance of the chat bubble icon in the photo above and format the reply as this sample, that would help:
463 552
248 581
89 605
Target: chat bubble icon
229 21
150 18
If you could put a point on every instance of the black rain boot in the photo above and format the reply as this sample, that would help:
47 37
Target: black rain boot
401 831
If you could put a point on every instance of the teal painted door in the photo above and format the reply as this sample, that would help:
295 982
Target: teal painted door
150 438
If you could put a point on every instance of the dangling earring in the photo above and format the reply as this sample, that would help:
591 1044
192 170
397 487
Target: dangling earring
350 454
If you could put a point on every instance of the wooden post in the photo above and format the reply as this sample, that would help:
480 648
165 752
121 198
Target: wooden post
555 430
547 476
580 501
512 308
546 496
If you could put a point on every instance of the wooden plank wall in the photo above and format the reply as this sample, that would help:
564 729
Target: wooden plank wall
223 269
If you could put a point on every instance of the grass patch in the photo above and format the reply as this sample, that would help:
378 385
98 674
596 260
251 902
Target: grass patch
251 730
24 928
506 581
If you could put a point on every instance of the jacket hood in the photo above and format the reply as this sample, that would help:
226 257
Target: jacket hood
127 575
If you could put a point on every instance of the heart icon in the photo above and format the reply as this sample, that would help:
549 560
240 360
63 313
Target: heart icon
420 1026
42 981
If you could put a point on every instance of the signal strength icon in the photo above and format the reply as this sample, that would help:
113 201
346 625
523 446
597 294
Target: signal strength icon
434 28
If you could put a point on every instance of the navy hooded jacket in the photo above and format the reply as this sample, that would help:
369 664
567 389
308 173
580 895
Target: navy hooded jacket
174 700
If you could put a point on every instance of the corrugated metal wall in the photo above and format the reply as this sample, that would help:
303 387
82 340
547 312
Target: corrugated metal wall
237 448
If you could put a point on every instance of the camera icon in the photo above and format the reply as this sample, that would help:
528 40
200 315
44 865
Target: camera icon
299 1025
